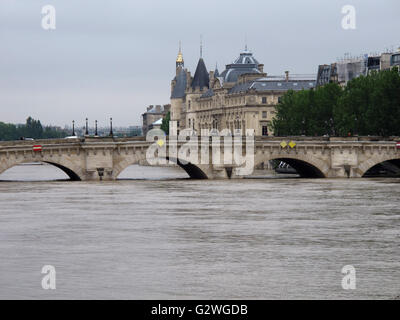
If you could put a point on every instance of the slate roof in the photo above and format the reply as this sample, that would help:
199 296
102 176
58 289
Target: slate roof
180 86
158 122
261 85
154 110
246 57
201 78
246 63
208 94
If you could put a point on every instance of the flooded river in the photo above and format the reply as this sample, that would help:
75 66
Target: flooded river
157 235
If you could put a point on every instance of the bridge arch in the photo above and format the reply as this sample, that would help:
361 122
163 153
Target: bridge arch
374 161
306 166
74 172
193 171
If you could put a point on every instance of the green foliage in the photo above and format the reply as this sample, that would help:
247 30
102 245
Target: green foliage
31 129
366 106
165 123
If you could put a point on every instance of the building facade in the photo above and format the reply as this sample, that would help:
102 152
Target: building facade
347 69
242 97
152 115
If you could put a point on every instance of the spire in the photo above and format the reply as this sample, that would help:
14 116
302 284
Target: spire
201 46
245 43
179 60
216 72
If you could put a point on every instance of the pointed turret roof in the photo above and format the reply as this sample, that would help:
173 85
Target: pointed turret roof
216 72
201 78
180 86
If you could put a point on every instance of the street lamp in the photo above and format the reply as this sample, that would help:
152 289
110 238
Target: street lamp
73 128
95 133
111 128
87 128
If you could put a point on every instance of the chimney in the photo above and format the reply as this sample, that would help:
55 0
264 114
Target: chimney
261 68
149 108
167 108
211 75
158 109
212 78
287 76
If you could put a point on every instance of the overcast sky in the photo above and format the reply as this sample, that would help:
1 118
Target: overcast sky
114 58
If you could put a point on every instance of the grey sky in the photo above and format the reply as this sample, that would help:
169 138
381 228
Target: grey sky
113 58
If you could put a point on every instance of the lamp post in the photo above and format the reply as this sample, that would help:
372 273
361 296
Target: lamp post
73 128
95 133
87 128
111 128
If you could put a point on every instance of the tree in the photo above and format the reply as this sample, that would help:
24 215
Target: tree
31 129
368 105
307 112
165 123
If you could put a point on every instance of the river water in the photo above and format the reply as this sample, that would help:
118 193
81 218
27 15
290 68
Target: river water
163 236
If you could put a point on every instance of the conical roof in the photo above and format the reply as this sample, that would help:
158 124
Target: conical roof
216 72
201 78
180 86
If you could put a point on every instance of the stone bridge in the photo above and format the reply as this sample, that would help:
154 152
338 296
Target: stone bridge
105 158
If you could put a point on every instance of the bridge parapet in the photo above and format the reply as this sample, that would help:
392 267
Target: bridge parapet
82 158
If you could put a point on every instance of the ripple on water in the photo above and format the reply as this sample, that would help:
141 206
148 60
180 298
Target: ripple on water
164 236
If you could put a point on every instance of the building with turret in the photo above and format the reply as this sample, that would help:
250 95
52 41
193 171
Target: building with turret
152 115
243 96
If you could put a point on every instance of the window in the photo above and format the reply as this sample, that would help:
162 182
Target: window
265 130
264 114
189 104
279 99
264 100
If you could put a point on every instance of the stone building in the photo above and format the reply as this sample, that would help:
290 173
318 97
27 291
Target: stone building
153 114
327 73
347 69
243 96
